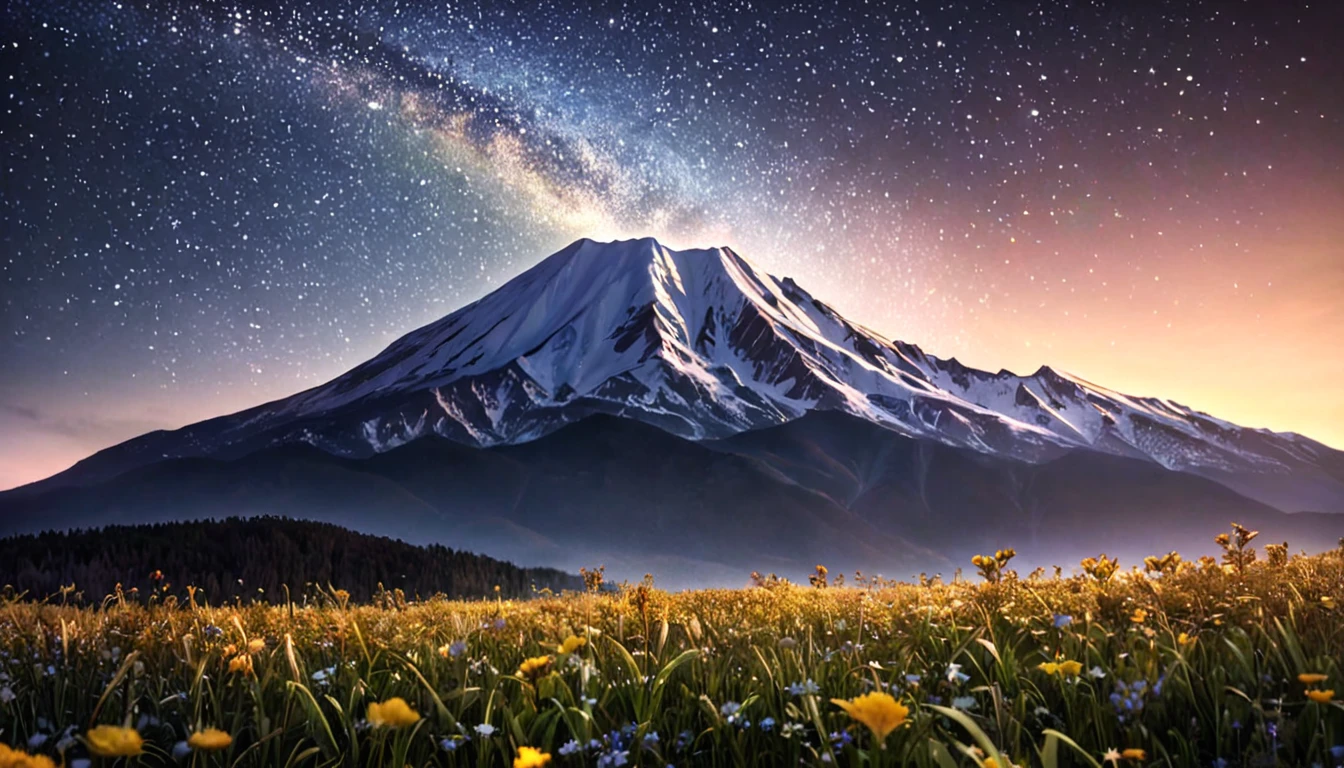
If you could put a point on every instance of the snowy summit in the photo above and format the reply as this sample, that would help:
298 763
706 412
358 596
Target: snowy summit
704 344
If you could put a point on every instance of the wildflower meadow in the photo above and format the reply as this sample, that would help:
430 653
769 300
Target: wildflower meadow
1231 662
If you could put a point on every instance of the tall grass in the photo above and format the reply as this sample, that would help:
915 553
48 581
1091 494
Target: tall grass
1194 664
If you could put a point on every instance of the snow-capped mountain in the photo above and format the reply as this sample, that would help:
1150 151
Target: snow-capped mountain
704 345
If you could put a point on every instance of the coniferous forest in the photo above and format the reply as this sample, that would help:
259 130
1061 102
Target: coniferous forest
253 558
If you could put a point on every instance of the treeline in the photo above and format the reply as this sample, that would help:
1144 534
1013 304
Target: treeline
253 559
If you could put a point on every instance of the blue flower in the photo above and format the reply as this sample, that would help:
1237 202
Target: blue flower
485 729
613 759
651 740
963 702
458 648
500 623
955 675
768 724
1062 620
808 687
569 748
840 738
730 708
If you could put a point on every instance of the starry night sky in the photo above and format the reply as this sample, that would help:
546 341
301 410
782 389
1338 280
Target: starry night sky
206 206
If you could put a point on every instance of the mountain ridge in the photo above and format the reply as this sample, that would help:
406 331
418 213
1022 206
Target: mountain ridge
827 487
704 345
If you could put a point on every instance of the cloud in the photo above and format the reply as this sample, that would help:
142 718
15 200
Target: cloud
95 432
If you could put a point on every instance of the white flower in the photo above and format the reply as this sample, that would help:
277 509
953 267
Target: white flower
6 695
485 729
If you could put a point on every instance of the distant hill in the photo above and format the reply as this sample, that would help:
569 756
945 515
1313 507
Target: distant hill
255 558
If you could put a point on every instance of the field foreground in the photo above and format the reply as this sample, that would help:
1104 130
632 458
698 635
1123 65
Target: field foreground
1174 663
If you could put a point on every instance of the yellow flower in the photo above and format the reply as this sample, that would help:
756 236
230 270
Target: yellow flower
531 757
256 645
393 713
572 644
1138 616
111 741
1134 754
13 758
241 664
534 667
209 740
1311 678
1321 697
1066 668
879 711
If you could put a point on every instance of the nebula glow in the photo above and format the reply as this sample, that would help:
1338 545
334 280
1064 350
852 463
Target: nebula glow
209 205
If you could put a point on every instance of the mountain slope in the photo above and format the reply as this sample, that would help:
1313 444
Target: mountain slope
960 502
704 345
604 489
826 487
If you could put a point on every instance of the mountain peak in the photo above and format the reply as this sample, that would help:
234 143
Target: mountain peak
703 344
633 253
